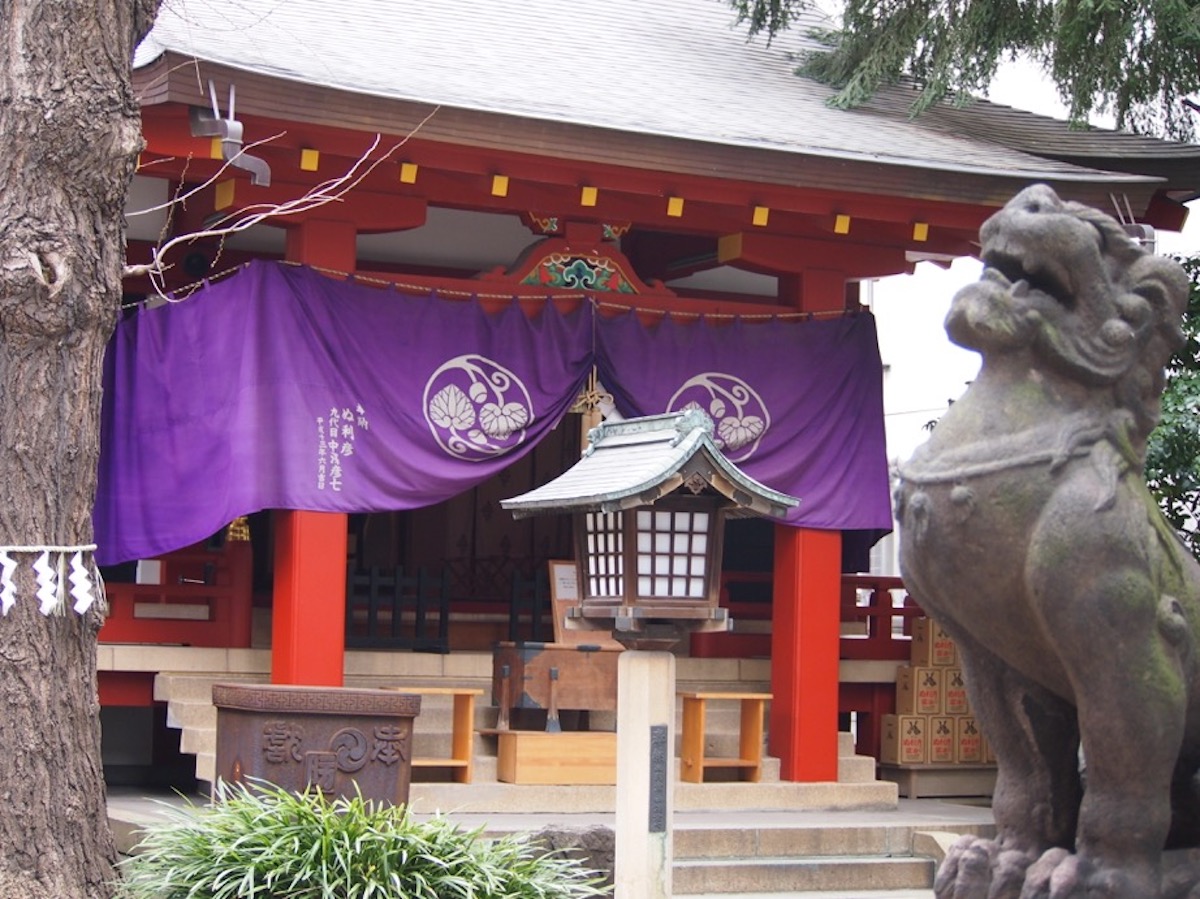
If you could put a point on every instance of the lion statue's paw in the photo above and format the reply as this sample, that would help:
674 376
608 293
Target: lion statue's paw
976 867
1181 874
1060 874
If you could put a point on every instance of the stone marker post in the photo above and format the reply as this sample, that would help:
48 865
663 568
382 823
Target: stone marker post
645 776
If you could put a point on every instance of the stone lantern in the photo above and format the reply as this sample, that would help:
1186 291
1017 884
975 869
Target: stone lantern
649 498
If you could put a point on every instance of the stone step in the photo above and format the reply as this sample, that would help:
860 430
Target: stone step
436 709
787 841
198 685
432 737
845 744
188 714
824 836
477 672
856 769
206 767
787 875
199 740
482 797
824 894
188 695
244 665
203 744
785 795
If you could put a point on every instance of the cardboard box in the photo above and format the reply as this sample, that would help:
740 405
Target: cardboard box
941 738
904 740
954 693
968 741
931 645
918 691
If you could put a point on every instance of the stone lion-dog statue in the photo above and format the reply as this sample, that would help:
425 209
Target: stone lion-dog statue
1027 532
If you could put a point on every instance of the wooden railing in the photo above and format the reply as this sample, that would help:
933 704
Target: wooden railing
184 610
877 615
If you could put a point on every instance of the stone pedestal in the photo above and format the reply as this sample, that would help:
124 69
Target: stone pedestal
339 740
645 754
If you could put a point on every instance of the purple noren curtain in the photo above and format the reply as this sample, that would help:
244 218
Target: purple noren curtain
797 404
281 388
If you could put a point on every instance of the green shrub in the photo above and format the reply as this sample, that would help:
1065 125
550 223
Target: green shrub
268 843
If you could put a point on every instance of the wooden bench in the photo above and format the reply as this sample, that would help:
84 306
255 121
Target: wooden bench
461 760
691 749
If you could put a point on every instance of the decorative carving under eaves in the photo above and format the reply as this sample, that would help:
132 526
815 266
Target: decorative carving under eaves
581 260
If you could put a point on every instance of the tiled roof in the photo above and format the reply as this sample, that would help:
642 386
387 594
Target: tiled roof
630 463
676 68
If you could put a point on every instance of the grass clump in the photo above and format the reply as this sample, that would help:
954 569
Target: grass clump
268 843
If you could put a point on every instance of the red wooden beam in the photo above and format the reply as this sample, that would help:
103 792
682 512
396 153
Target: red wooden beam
167 131
772 253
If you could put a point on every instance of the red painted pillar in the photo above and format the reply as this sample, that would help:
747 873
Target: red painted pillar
804 653
308 627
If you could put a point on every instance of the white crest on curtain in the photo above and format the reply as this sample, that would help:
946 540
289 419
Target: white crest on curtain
58 570
476 408
739 413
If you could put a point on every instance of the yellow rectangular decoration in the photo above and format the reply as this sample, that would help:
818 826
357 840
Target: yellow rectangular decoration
729 247
588 196
223 197
408 173
761 214
675 207
920 231
841 225
500 185
214 149
309 160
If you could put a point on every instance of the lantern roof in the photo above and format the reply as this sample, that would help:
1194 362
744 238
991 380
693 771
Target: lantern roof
637 461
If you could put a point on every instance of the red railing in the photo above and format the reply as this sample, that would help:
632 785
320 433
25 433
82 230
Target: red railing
182 612
877 615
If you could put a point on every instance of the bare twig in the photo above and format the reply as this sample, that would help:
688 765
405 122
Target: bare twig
332 190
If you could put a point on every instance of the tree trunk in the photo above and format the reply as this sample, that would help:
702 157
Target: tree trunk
71 137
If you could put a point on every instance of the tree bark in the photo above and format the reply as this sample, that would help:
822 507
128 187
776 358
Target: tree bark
71 135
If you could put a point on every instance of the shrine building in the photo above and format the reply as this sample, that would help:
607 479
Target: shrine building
414 252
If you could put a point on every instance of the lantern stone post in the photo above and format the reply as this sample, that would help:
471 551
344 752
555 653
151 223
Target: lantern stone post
645 806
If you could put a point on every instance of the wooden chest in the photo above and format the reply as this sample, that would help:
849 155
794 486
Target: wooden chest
584 677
